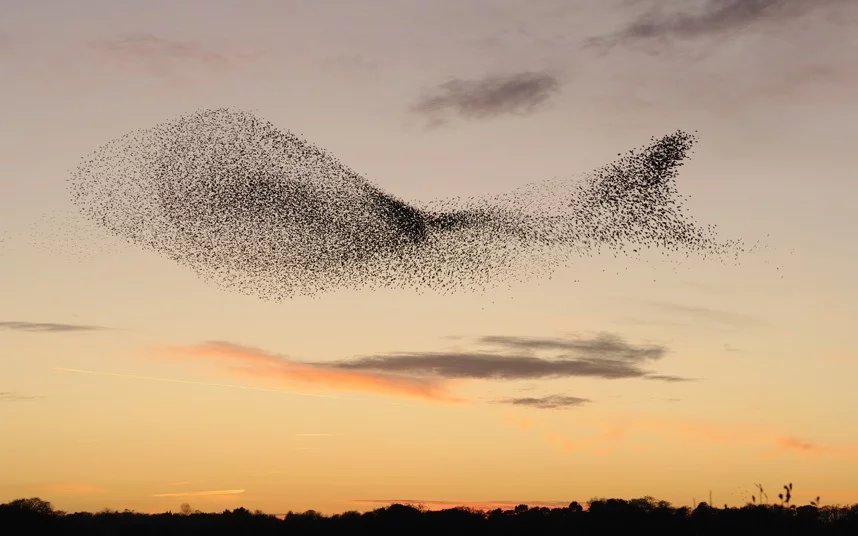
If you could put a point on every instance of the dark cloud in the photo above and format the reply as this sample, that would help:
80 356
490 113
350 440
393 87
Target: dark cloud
494 366
605 345
605 356
715 16
518 93
45 327
547 402
8 396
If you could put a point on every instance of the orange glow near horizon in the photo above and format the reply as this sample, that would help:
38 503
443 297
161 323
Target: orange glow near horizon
251 363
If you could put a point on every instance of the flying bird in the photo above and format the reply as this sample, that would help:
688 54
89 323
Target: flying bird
259 210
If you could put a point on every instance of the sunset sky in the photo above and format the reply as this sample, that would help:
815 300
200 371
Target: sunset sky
126 381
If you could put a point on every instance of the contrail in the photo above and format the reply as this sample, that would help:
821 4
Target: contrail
189 382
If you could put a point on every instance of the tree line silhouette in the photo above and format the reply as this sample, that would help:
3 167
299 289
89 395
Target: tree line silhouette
599 516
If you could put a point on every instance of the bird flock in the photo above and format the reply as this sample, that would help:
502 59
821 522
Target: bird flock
256 209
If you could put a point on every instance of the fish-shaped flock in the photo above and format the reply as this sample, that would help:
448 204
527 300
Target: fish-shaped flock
259 210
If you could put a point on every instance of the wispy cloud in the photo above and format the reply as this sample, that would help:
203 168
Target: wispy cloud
600 435
518 93
203 493
667 378
261 365
713 17
182 381
706 314
45 327
772 441
602 346
794 443
8 396
161 57
71 488
547 402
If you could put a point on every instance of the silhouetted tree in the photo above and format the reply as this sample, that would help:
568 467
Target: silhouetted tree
643 515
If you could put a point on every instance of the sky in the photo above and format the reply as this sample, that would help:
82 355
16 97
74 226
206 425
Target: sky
126 381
